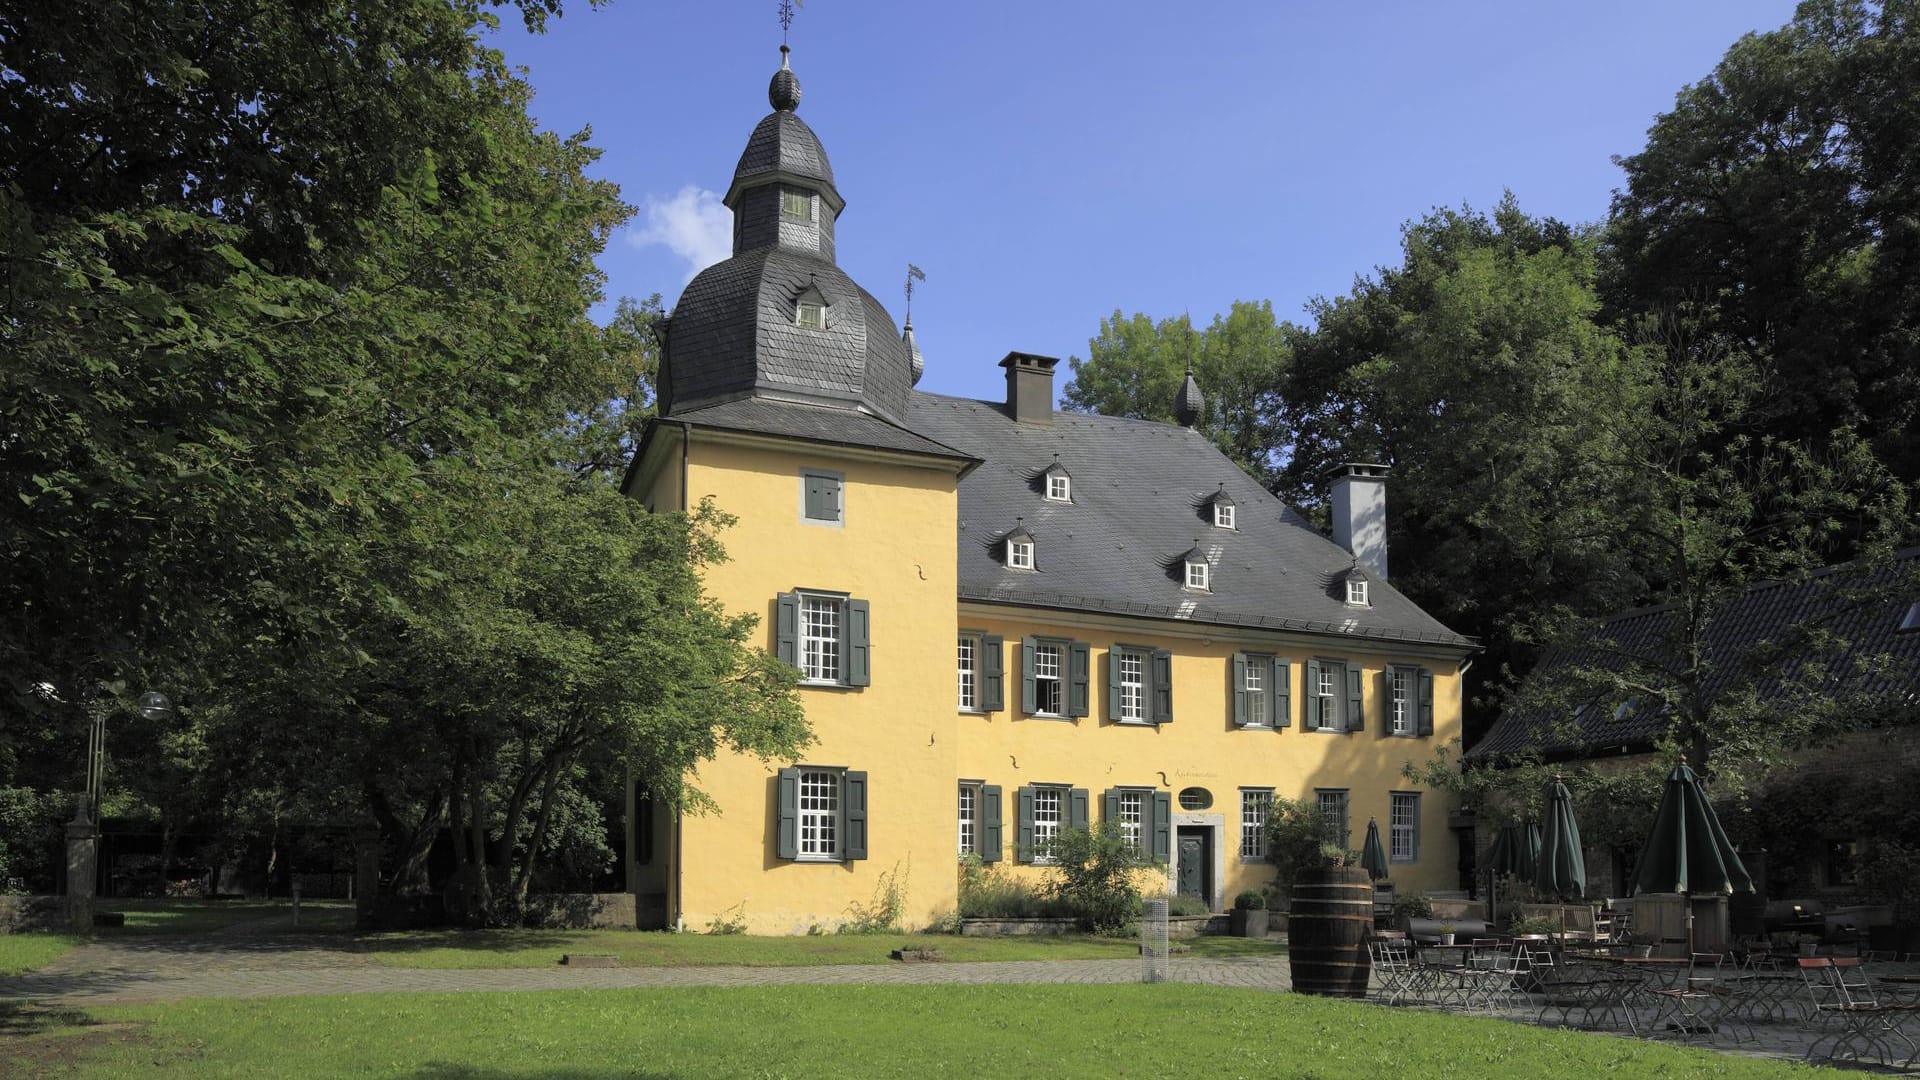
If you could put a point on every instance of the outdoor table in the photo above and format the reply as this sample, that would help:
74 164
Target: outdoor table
1446 971
1768 996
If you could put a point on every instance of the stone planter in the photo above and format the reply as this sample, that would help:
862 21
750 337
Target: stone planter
1249 922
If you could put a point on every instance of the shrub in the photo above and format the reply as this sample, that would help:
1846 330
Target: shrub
1296 833
1535 925
987 893
882 915
1251 901
1093 874
1180 905
1412 905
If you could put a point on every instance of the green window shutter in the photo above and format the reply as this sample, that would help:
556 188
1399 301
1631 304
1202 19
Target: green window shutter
1077 808
787 827
1282 692
823 502
1163 826
1110 805
1162 686
1239 676
853 795
1310 696
787 629
1080 668
1423 700
1113 682
992 843
993 675
1026 676
1023 841
859 644
1356 710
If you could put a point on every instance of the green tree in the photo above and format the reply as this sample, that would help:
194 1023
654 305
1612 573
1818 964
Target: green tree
1781 197
1135 367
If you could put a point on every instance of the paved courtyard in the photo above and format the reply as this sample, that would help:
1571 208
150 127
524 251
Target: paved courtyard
238 964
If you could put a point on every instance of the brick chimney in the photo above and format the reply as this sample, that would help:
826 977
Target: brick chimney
1360 513
1030 387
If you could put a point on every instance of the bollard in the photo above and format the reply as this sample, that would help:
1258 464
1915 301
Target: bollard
296 902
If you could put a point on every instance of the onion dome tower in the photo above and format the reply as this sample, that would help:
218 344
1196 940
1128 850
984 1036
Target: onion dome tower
1188 405
780 320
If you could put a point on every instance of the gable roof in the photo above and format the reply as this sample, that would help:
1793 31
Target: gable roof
1135 488
812 423
1860 606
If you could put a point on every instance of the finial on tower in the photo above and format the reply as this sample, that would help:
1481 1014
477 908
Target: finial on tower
784 90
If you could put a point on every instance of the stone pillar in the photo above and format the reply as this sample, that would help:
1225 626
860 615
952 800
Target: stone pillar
366 874
83 859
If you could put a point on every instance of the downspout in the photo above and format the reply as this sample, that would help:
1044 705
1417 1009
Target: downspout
679 848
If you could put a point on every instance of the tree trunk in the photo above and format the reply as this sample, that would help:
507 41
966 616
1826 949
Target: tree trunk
554 768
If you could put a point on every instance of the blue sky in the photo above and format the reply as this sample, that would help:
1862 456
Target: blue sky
1047 163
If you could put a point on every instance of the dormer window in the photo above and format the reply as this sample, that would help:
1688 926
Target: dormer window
1223 515
1198 576
1059 487
810 315
1357 593
1020 554
1911 624
796 206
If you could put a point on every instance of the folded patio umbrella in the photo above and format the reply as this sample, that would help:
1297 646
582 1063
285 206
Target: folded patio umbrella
1562 866
1372 855
1688 852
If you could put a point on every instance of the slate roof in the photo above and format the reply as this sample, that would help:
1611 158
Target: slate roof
814 423
782 142
733 331
1141 499
1863 609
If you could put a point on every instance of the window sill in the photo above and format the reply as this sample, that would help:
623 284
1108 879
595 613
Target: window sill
1135 723
828 860
1254 727
974 712
1330 731
1051 716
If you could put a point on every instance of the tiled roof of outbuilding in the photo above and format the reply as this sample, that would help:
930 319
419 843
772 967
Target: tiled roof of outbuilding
1861 608
1135 488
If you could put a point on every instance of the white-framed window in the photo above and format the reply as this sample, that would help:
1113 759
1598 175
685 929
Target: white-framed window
969 670
969 819
796 205
822 496
810 315
1223 516
1059 487
1132 813
819 819
1254 804
1357 593
1197 575
1020 553
1259 711
1132 671
1403 827
1049 814
1400 700
1333 808
820 625
1326 697
1049 690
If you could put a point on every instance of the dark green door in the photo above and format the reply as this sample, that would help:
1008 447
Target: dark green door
1194 873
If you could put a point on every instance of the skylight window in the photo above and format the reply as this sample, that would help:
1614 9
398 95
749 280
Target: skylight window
1357 593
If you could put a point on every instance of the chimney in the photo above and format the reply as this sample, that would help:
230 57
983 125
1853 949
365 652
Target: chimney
1360 513
1030 387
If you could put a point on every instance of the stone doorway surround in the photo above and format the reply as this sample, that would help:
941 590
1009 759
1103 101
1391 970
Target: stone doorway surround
1216 826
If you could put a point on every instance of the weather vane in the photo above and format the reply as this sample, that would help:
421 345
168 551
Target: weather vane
914 274
786 18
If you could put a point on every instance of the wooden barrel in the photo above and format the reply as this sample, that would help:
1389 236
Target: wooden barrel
1327 932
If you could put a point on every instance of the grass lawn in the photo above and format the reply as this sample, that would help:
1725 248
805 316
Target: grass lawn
820 1031
172 916
543 948
24 952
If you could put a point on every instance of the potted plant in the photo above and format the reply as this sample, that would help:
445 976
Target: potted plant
1446 933
1410 906
1250 915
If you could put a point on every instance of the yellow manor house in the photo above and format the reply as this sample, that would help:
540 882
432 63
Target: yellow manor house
1008 620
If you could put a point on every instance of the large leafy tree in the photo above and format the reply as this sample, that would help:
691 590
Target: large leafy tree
1135 366
305 417
1780 197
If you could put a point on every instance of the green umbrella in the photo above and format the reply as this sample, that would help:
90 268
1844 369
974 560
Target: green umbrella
1529 857
1562 868
1373 856
1688 851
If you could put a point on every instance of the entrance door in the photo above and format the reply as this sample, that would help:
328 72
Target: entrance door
1195 876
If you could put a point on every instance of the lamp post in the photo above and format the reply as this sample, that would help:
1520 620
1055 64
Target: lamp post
83 832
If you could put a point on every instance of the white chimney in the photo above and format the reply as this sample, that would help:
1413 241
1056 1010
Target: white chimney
1360 514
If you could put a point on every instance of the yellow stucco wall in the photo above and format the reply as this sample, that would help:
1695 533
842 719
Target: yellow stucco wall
1203 747
895 550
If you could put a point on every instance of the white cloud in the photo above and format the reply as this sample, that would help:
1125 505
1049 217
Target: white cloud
694 224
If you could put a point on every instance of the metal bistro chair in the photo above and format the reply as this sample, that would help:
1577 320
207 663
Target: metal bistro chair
1394 966
1494 968
1702 1005
1854 1021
